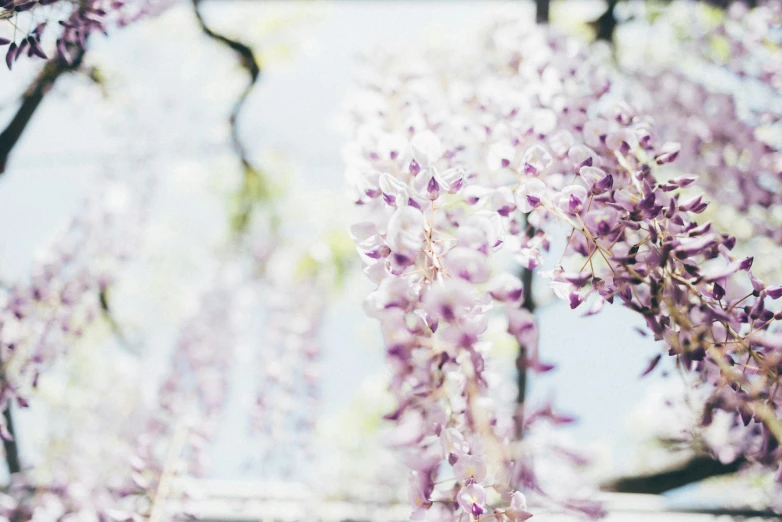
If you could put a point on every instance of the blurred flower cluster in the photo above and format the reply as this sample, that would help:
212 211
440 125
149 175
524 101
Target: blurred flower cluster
40 319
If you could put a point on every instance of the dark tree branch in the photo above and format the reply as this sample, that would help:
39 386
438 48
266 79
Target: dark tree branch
521 359
606 24
11 449
32 99
250 64
254 186
694 470
542 11
9 445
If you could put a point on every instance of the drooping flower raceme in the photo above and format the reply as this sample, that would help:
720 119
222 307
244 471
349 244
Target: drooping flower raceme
43 323
288 394
446 172
456 159
67 290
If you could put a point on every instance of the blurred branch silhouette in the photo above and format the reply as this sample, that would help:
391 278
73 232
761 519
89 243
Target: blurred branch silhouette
521 359
250 64
11 449
542 11
32 99
694 470
254 186
527 277
9 444
605 24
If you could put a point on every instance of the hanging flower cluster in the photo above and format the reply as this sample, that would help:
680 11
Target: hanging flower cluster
450 157
739 169
31 26
91 421
84 474
191 396
121 464
66 292
288 394
459 160
731 140
715 94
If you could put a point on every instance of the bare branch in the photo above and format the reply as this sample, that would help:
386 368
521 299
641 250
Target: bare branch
694 470
32 98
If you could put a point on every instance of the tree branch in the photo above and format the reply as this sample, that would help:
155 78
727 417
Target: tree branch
542 11
254 186
694 470
10 446
250 64
11 449
31 100
521 359
604 26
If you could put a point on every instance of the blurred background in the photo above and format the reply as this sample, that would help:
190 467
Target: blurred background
207 235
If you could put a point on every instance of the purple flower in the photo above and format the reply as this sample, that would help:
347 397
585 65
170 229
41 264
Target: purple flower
572 199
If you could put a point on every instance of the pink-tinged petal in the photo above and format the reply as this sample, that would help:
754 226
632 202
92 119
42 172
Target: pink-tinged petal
652 365
774 292
468 264
517 511
9 56
572 199
582 156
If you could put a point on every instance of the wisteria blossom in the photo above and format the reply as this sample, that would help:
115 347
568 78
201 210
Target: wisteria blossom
47 28
725 132
67 291
288 392
532 114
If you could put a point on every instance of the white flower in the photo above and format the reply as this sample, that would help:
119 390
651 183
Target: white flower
468 264
405 230
425 148
529 194
535 160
